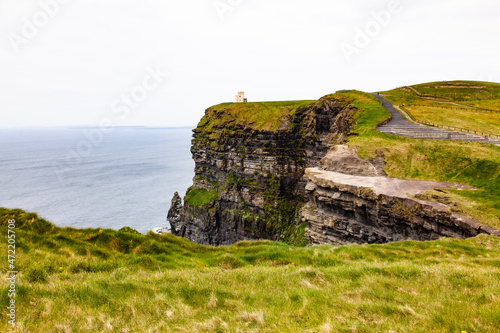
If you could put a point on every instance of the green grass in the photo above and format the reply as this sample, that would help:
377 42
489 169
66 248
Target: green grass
467 92
445 103
201 197
96 280
264 116
474 164
476 120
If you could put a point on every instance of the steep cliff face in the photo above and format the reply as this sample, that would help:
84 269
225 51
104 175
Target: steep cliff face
249 165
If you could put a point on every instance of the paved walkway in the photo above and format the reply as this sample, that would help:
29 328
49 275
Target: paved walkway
399 125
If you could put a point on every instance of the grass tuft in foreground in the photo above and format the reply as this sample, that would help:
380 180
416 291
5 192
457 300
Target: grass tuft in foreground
96 280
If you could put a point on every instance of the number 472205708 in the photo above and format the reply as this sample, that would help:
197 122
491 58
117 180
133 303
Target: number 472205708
12 247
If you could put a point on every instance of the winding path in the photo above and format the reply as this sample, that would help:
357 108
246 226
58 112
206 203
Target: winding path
399 125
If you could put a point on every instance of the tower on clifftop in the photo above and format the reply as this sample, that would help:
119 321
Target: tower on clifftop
240 98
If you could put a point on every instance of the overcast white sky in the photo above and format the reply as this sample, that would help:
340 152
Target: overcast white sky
74 68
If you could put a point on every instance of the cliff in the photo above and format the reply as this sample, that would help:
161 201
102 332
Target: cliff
249 165
269 170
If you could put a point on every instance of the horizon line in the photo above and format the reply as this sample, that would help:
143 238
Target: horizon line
95 126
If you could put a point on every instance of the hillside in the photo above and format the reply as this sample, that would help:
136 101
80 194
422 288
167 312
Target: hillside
473 164
467 105
96 280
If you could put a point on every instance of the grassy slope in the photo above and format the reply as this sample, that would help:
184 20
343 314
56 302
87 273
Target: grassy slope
474 164
96 280
257 115
480 121
426 107
463 92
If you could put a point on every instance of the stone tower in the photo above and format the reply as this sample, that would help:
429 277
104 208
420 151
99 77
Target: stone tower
240 98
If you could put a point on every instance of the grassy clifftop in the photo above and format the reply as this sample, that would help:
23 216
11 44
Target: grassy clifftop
116 281
257 115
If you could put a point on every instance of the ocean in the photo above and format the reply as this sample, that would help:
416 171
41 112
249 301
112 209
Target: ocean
84 178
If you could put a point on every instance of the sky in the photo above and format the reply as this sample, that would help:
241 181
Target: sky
162 62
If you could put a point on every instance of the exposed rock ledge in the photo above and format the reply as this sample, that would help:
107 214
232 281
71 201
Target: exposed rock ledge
346 208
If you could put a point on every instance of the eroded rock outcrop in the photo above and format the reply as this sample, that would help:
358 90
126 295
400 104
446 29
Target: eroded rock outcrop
375 209
344 160
173 215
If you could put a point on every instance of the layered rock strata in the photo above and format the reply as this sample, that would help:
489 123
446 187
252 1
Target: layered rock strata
375 209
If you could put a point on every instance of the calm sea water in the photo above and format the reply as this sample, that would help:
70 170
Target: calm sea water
76 177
